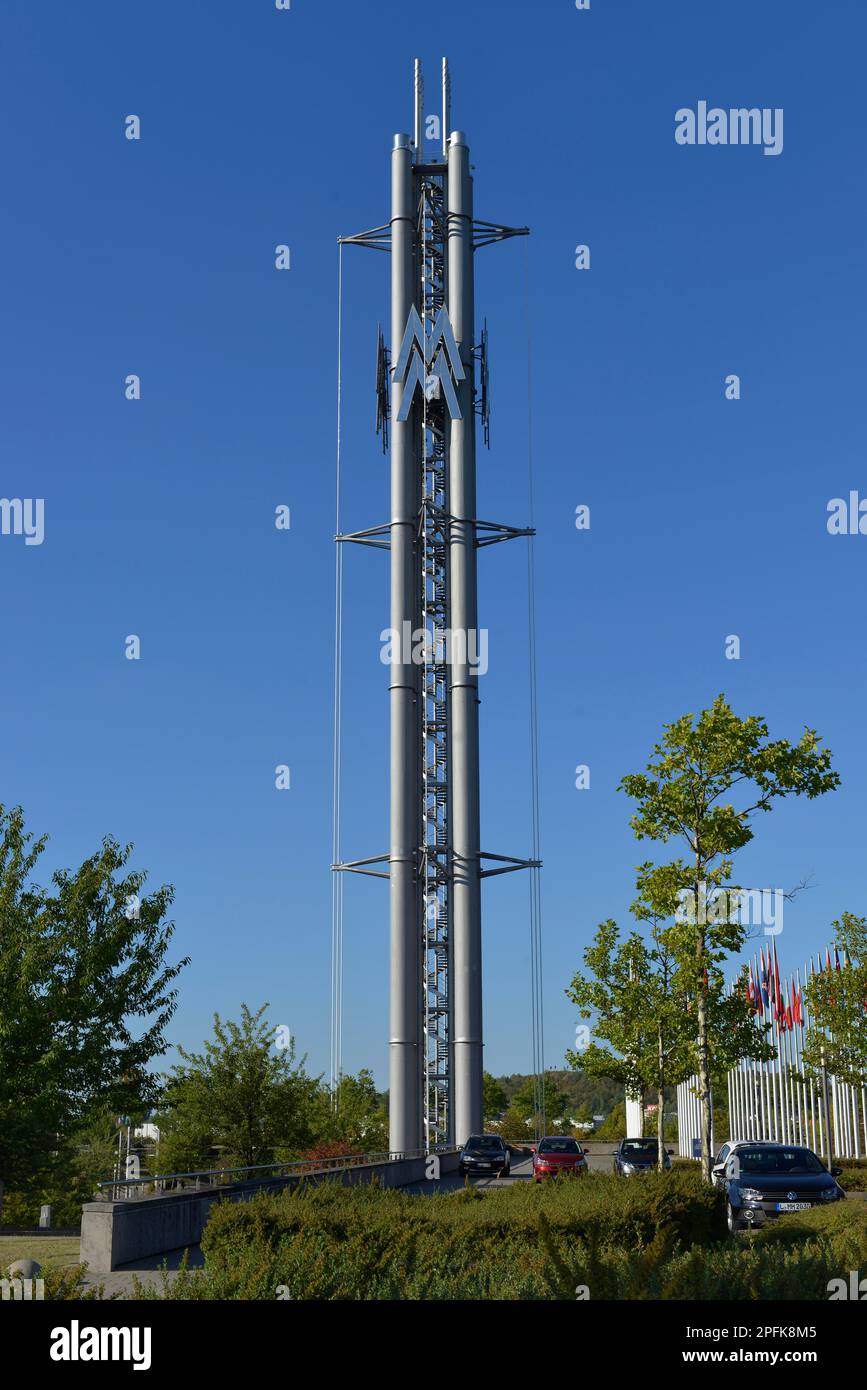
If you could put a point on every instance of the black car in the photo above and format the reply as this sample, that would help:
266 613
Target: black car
768 1179
485 1153
637 1155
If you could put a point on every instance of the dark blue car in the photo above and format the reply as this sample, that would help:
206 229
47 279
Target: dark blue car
637 1156
764 1180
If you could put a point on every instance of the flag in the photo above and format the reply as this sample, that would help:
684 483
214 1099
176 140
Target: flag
778 998
766 1002
798 1012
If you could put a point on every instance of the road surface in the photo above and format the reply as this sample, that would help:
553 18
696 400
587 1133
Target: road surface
522 1171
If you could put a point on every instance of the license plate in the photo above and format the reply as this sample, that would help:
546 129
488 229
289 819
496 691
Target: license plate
794 1206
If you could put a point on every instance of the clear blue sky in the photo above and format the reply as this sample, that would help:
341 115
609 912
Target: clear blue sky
708 517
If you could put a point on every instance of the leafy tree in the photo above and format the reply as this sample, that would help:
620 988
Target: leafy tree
556 1104
85 997
598 1093
242 1097
86 1158
634 993
613 1127
688 793
836 1035
494 1097
355 1115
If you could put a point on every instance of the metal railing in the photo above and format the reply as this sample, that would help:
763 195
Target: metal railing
118 1189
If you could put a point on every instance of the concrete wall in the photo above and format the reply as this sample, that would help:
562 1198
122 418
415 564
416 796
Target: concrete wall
115 1233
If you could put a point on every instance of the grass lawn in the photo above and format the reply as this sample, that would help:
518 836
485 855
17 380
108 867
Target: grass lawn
52 1252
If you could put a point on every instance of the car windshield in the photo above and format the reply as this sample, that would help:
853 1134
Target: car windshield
484 1143
559 1146
778 1161
639 1148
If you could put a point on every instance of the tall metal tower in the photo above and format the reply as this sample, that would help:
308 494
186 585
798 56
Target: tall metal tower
432 385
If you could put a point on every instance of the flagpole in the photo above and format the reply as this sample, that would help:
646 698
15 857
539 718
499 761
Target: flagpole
745 1103
790 1080
796 1066
772 1063
751 1070
798 1037
787 1138
766 1068
775 1062
768 1127
812 1089
819 1107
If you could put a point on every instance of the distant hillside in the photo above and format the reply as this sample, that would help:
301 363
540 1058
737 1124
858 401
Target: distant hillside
598 1093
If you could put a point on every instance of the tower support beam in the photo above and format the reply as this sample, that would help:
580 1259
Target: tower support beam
463 686
405 1041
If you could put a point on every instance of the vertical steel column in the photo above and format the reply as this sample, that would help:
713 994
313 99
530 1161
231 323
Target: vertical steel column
466 918
405 1020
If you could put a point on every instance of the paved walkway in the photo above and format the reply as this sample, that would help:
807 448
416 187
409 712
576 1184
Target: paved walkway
149 1272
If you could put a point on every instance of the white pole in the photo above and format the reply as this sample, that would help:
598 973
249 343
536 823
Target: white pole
782 1118
790 1086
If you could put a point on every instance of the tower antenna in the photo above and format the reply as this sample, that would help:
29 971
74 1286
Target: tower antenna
419 109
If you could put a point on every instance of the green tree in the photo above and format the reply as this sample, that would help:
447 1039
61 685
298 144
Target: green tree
633 992
836 1036
613 1127
544 1105
355 1115
243 1097
493 1095
687 793
85 997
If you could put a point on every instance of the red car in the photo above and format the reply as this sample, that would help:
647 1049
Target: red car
558 1154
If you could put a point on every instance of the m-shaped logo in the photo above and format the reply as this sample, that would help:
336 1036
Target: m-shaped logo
433 363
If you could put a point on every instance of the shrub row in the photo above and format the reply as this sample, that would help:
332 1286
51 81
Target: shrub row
658 1238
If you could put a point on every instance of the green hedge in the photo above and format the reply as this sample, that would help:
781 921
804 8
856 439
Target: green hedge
854 1175
328 1242
662 1237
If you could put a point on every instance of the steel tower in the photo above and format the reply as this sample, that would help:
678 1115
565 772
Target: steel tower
432 385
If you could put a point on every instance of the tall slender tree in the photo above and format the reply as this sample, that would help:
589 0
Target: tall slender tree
706 781
632 992
836 1037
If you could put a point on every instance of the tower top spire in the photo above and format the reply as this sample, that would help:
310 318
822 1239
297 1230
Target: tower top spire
418 109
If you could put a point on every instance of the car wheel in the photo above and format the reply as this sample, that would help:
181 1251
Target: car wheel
733 1221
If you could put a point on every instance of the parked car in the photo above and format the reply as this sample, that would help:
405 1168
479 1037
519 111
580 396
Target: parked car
776 1178
725 1164
558 1154
638 1155
485 1153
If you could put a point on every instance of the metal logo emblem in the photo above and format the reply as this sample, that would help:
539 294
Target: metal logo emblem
433 363
791 1196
